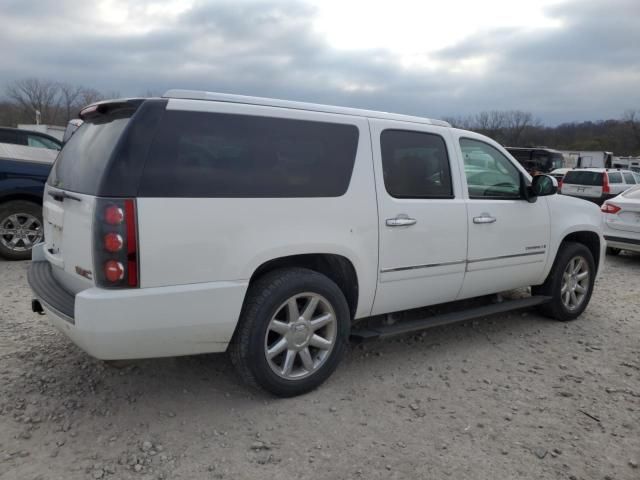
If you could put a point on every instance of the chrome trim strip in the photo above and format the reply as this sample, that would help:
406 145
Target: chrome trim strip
415 267
528 254
430 265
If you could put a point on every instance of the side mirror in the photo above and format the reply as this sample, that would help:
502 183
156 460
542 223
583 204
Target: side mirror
542 186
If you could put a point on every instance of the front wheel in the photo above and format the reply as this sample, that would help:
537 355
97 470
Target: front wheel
293 331
570 282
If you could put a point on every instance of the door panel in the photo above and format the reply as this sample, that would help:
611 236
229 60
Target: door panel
423 241
508 236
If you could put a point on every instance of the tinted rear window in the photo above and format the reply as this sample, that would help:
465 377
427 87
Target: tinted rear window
615 177
82 161
632 193
583 178
202 154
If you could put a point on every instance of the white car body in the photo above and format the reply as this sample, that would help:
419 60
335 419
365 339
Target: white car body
622 227
197 256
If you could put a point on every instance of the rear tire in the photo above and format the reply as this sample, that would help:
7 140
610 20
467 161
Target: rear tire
569 284
293 332
20 229
613 251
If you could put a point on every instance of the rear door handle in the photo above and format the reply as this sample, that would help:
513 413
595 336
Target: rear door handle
400 221
484 218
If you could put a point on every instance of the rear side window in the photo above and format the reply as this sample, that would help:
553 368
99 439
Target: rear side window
583 177
82 161
202 154
628 177
615 177
415 165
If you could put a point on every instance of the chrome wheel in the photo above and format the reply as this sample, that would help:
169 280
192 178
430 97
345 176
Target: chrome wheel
575 283
300 336
19 232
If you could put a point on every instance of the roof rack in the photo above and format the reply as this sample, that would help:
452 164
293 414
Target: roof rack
272 102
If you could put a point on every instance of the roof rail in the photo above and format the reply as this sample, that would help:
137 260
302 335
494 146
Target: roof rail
272 102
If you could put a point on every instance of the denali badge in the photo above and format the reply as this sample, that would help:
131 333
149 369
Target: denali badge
84 273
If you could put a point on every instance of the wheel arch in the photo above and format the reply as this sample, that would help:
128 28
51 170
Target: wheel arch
589 239
336 267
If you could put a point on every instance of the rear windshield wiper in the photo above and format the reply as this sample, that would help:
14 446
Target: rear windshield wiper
59 195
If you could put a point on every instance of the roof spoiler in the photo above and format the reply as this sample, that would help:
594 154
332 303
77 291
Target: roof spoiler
109 106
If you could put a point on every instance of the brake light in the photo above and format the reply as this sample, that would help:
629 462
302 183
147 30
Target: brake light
605 183
610 208
116 243
113 270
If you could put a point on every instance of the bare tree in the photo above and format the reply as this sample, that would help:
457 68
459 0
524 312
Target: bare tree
516 122
33 95
632 119
89 96
490 123
69 97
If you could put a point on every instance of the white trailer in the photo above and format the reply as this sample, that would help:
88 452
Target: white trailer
587 159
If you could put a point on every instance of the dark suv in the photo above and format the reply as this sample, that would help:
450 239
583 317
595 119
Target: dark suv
25 161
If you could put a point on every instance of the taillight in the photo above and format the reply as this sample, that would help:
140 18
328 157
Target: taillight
605 183
115 243
610 208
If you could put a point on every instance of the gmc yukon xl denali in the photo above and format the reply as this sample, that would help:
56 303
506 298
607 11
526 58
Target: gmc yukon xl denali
202 222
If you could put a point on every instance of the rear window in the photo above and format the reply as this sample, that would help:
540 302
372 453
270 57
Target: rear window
203 154
615 177
82 161
582 177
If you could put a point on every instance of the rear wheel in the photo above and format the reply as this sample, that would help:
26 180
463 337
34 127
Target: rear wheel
613 251
20 229
292 333
569 284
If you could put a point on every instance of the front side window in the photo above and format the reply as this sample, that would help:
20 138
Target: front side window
489 173
415 165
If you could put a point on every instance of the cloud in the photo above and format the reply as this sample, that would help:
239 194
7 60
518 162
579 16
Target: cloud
586 67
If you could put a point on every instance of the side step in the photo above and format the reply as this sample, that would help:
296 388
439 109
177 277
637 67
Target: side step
446 318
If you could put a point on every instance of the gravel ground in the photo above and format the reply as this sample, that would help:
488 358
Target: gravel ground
511 396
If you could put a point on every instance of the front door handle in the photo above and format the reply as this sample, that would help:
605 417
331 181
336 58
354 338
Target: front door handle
484 218
400 221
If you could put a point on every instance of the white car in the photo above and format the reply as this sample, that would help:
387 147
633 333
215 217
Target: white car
597 184
203 222
622 222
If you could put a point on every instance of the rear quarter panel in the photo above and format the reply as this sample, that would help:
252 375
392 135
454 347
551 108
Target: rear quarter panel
192 240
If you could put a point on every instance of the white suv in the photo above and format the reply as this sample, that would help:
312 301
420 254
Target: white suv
202 222
597 184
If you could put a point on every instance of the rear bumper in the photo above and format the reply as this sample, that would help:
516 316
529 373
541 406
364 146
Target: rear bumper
597 200
144 322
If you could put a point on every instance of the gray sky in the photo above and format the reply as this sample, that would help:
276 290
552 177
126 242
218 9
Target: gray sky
561 59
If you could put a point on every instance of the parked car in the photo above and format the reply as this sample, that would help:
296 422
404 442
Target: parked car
15 136
202 222
597 184
622 222
559 174
23 172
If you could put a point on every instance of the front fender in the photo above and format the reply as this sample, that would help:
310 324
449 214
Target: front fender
570 215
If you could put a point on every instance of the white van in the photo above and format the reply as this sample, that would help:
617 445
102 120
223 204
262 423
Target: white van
202 222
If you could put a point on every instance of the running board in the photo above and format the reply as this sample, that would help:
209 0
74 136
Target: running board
446 318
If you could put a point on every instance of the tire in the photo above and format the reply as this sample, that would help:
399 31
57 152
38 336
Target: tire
268 323
20 229
569 253
613 251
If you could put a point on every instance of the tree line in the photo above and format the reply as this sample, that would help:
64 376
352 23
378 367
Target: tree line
515 128
59 102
